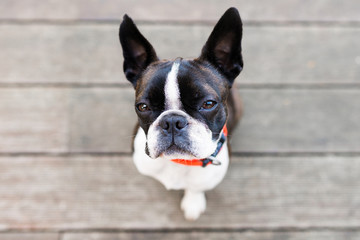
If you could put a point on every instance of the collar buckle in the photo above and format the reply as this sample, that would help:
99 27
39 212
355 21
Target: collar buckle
214 161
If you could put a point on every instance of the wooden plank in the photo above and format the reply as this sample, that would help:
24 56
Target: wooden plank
299 121
101 120
181 10
282 120
60 54
327 235
81 192
33 120
29 236
92 54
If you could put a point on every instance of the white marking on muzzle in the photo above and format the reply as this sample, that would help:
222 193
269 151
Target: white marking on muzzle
171 89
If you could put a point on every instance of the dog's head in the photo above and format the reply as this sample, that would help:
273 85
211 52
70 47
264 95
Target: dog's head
181 104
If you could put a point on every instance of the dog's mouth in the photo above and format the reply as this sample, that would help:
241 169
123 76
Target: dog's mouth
175 151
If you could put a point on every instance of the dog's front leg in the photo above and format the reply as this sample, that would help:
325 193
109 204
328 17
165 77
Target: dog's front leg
193 204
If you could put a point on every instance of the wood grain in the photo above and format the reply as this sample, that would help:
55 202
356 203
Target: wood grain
181 10
327 235
299 120
29 236
33 120
92 54
63 96
274 121
102 120
99 192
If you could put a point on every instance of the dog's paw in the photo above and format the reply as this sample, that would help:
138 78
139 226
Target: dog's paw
193 204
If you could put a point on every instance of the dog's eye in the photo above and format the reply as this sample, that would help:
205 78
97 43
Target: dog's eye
142 107
208 104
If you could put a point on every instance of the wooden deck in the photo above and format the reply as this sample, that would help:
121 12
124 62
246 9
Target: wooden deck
66 120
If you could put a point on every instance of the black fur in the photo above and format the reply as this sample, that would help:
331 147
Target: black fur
137 51
223 48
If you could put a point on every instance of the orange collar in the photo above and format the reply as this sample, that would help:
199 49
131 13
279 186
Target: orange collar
206 161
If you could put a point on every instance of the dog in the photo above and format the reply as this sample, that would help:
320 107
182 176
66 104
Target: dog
185 108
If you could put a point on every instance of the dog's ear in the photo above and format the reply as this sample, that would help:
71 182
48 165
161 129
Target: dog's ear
223 47
138 52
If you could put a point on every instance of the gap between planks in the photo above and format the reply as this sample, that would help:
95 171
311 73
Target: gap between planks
124 85
110 21
186 230
234 154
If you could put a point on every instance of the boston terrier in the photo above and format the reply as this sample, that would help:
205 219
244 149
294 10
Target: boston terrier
187 109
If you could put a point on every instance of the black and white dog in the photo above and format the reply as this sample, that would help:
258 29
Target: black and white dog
185 109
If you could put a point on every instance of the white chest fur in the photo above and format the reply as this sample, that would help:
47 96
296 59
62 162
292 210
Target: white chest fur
177 176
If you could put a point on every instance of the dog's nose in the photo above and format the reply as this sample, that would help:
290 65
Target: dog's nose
173 123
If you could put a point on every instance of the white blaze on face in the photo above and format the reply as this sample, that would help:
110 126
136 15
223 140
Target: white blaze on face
200 136
171 89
